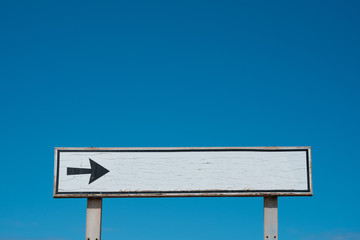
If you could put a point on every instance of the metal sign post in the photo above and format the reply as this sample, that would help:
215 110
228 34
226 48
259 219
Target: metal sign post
270 218
268 172
93 218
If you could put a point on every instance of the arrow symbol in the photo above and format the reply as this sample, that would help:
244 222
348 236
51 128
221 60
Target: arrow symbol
96 171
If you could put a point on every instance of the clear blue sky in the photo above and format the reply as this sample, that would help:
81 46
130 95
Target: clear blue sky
179 73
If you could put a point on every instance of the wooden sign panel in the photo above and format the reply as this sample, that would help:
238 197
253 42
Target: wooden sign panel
182 172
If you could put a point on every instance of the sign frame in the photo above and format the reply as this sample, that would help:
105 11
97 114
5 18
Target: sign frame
230 193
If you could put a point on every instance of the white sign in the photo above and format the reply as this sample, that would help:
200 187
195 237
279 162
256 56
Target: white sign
182 172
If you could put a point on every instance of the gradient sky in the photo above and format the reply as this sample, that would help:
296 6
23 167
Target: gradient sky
173 74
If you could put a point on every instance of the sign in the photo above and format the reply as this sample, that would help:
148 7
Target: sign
182 172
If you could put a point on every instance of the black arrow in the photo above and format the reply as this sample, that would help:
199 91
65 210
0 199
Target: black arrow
96 171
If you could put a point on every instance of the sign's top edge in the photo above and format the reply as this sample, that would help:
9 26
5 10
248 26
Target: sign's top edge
178 148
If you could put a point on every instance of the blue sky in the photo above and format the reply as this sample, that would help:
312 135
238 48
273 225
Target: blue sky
173 74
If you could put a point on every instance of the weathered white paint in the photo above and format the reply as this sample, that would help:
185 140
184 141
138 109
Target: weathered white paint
246 171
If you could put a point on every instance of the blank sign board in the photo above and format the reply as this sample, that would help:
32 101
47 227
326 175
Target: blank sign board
182 172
